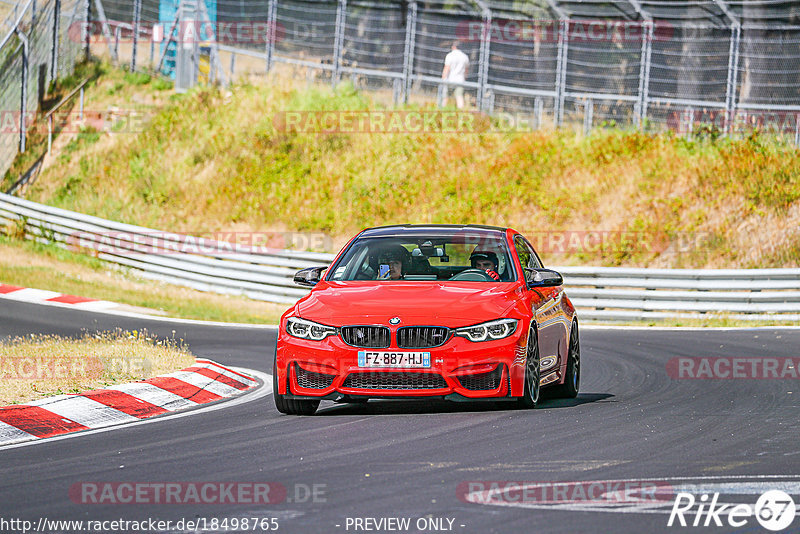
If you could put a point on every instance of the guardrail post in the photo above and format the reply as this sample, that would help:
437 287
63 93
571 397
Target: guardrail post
588 116
272 7
408 55
733 71
561 70
483 61
538 109
137 14
338 43
54 44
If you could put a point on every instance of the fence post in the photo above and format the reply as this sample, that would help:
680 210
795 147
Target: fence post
408 56
733 71
137 14
54 47
483 61
338 42
561 68
271 33
87 25
24 93
644 73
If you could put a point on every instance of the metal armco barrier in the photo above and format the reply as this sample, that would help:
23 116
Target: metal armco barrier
599 293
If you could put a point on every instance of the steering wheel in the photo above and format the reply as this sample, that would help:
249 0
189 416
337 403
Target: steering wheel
473 275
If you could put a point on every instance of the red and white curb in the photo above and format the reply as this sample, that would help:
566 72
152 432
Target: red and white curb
204 382
27 294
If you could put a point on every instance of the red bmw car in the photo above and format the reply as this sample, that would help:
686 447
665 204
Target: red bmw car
454 312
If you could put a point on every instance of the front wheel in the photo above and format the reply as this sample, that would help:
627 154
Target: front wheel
572 380
290 406
532 373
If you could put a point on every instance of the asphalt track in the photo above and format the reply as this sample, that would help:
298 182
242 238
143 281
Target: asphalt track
407 459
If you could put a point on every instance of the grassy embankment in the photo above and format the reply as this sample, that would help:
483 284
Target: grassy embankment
39 366
213 160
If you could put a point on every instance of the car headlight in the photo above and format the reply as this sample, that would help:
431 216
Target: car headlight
308 329
488 331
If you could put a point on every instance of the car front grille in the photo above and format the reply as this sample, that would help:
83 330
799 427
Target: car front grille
482 381
422 337
371 337
312 380
394 380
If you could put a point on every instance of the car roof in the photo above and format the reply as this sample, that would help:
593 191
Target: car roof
417 229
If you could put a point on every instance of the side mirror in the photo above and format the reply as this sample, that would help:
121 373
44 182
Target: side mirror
543 278
309 277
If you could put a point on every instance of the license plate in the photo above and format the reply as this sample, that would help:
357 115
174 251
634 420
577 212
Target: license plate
389 358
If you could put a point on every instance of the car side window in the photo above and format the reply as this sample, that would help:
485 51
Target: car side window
535 262
527 257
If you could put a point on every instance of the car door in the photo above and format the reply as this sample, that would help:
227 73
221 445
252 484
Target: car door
545 302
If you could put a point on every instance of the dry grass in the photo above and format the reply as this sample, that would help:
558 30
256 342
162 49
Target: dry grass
34 367
47 267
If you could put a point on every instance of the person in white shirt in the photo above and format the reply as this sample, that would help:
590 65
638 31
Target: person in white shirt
456 64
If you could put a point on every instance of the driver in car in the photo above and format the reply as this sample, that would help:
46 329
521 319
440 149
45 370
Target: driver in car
391 264
485 260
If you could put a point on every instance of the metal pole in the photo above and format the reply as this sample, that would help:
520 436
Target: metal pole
588 116
271 12
561 67
80 113
87 37
101 16
24 93
797 130
733 71
137 14
483 61
54 47
49 133
408 57
341 13
644 67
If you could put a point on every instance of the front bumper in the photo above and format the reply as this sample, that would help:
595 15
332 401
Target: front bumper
460 370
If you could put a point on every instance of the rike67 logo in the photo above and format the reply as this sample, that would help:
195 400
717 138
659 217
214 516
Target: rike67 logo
774 510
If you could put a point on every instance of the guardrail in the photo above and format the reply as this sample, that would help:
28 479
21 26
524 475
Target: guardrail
604 293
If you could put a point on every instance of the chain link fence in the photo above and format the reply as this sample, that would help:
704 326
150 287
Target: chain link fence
40 41
717 66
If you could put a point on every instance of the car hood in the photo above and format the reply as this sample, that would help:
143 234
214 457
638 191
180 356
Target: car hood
454 303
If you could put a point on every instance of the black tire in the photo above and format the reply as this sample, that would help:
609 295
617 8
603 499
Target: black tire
572 381
532 373
290 406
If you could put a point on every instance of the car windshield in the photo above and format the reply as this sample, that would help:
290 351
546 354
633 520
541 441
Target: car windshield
476 257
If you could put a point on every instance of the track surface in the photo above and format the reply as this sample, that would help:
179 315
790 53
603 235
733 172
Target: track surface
406 459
